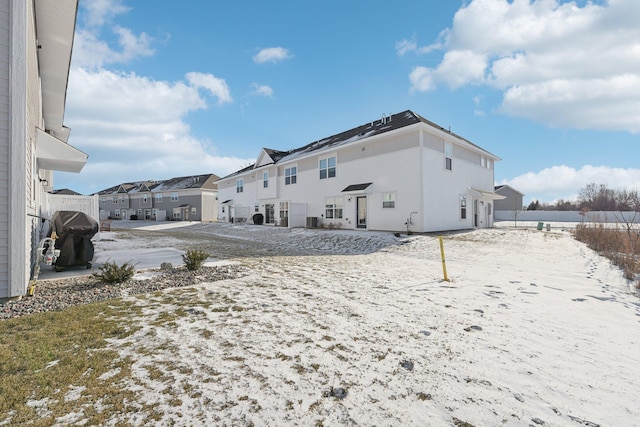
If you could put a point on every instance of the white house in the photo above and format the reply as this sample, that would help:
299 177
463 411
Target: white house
398 173
36 39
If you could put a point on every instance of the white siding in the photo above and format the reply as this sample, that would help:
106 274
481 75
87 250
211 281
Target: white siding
5 140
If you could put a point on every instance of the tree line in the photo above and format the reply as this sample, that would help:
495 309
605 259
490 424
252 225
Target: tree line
594 197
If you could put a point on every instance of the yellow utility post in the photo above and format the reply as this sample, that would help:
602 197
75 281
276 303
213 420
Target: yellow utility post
444 265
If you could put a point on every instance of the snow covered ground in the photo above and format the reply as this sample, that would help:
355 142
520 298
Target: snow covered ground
349 328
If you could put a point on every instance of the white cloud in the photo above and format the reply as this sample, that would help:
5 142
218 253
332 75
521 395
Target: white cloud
556 63
137 130
261 90
564 182
98 12
272 54
216 86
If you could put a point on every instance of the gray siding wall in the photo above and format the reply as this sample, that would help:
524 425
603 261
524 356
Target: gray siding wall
5 141
512 202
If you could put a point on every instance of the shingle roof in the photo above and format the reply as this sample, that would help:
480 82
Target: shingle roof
172 184
367 130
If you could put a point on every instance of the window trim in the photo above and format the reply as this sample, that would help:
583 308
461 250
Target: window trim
327 171
265 180
291 175
333 207
448 156
391 202
240 185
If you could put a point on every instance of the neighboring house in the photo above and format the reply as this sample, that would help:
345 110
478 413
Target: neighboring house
400 172
186 198
36 39
513 200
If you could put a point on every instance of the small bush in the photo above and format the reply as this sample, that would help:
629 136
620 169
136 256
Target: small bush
194 258
111 272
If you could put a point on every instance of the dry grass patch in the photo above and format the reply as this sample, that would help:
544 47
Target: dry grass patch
57 363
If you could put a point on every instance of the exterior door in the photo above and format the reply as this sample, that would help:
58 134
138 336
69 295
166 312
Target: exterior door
361 208
475 212
269 212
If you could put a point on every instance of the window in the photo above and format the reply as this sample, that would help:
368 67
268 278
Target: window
388 200
115 199
239 185
483 161
265 180
116 213
194 211
174 196
448 154
103 200
463 207
290 175
145 198
284 210
158 197
327 168
333 208
256 208
122 199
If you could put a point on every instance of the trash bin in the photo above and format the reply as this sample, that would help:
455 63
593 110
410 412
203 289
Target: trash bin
258 219
540 225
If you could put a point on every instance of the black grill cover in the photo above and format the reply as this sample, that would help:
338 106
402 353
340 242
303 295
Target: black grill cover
74 230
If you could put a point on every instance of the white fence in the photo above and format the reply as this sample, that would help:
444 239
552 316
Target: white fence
568 216
57 202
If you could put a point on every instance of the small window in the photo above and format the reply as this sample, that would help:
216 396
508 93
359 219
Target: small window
239 186
265 180
389 200
194 211
448 155
103 200
158 197
290 175
115 199
463 207
327 168
256 208
333 208
483 161
174 196
122 199
145 198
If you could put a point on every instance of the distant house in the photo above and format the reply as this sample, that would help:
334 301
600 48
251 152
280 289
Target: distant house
401 172
513 199
186 198
36 39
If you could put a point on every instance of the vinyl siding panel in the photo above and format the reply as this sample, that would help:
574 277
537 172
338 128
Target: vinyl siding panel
5 141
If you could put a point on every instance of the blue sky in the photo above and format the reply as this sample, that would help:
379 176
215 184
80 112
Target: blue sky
159 89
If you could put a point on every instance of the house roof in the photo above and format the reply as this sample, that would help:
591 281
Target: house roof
172 184
497 189
367 130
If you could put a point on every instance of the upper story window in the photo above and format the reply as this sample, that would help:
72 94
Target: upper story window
121 199
239 185
115 199
158 197
448 156
174 196
327 167
265 180
290 175
145 198
388 200
103 200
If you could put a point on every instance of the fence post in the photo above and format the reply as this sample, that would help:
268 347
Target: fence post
444 265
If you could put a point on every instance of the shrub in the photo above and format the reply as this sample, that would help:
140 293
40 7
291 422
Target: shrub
194 258
111 272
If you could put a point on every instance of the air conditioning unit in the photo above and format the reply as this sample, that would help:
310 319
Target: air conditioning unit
312 222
